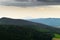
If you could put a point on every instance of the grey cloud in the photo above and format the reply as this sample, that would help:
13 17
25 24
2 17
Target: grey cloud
20 3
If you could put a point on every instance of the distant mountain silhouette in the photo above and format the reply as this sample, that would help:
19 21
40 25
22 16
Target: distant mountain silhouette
48 21
21 22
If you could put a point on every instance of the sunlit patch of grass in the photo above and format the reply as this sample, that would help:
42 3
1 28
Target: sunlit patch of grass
57 35
56 38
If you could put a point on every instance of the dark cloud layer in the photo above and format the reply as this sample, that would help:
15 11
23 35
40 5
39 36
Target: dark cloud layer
19 3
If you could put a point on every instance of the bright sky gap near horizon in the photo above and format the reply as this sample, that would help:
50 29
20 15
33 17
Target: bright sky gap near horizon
52 11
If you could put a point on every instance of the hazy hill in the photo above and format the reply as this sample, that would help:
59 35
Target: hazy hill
20 22
48 21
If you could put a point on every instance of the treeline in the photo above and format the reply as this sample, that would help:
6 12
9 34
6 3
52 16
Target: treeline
13 32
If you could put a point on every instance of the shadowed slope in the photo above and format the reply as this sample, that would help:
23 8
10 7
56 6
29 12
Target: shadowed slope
20 22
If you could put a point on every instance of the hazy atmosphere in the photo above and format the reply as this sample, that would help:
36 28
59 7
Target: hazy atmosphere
30 12
14 11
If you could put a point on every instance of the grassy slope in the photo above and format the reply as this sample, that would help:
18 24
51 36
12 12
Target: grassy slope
57 37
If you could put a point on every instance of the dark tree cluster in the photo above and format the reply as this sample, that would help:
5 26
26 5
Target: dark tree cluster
13 32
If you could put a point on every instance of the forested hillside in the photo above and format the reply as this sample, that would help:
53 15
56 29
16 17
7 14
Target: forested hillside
13 32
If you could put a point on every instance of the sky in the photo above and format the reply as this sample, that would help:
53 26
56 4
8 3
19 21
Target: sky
52 11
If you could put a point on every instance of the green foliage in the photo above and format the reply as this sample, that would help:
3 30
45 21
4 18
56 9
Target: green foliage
13 32
57 35
35 28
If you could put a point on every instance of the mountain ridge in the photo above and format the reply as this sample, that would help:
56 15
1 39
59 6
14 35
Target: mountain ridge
47 21
21 22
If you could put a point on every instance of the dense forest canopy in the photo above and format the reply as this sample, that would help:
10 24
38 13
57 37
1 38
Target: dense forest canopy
13 32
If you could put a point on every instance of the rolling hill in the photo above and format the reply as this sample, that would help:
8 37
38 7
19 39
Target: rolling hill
21 22
48 21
